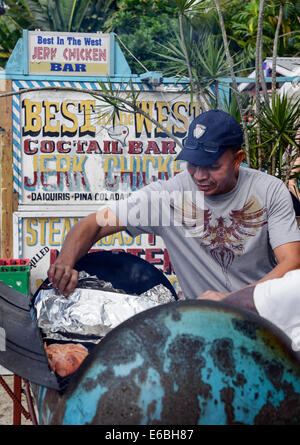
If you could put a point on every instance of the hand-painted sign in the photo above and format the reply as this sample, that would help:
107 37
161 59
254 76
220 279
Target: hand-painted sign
62 53
72 152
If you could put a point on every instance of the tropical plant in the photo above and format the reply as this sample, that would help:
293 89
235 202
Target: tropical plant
279 121
234 83
242 24
79 15
207 64
289 38
275 47
9 35
140 26
204 63
243 30
16 18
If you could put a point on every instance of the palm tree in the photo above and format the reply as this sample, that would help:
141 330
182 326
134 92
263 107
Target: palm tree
275 46
204 63
183 7
234 83
259 75
242 30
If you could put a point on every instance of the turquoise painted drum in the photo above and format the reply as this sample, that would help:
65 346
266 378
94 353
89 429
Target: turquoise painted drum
183 363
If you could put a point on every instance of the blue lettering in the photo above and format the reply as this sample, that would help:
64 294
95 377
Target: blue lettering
55 66
80 67
68 67
92 42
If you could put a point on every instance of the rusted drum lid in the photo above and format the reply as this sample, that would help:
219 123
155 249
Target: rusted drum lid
188 363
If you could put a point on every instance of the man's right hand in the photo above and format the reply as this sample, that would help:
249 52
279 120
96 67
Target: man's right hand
63 278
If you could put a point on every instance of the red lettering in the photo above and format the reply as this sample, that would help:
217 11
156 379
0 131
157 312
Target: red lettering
53 53
43 179
61 147
168 268
135 147
93 147
106 147
126 175
95 54
27 147
27 183
163 175
80 148
151 239
37 53
102 54
88 53
152 147
46 52
47 146
53 255
168 147
150 256
107 184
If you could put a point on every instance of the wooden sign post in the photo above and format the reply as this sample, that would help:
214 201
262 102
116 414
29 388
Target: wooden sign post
6 173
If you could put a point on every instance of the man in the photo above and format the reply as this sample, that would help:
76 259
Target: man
247 233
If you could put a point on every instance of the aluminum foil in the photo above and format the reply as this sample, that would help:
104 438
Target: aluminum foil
90 313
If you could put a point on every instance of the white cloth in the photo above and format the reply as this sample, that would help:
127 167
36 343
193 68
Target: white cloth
278 301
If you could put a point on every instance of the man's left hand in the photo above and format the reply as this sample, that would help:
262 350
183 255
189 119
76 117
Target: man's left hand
213 295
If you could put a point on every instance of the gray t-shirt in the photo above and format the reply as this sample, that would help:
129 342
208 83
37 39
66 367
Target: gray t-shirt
239 232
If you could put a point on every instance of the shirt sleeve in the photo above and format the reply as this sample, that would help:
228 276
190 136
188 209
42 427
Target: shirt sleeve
282 223
278 301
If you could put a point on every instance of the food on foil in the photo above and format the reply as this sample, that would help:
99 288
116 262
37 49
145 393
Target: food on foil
92 312
87 315
65 359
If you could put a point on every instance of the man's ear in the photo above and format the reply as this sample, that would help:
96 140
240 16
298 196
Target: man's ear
238 158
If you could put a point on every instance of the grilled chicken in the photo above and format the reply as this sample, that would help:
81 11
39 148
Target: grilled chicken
65 359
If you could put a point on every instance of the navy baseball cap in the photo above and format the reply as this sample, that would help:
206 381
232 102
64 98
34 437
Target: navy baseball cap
209 136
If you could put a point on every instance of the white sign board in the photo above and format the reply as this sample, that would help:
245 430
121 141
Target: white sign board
62 53
71 152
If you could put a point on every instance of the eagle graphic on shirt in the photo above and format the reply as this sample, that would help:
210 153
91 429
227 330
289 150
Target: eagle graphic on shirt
224 237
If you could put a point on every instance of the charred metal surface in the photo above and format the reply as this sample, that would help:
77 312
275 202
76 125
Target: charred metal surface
245 327
23 351
222 354
187 363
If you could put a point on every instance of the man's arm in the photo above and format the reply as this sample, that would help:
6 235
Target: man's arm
288 258
78 242
242 298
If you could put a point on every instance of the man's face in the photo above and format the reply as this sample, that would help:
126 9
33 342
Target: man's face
219 177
